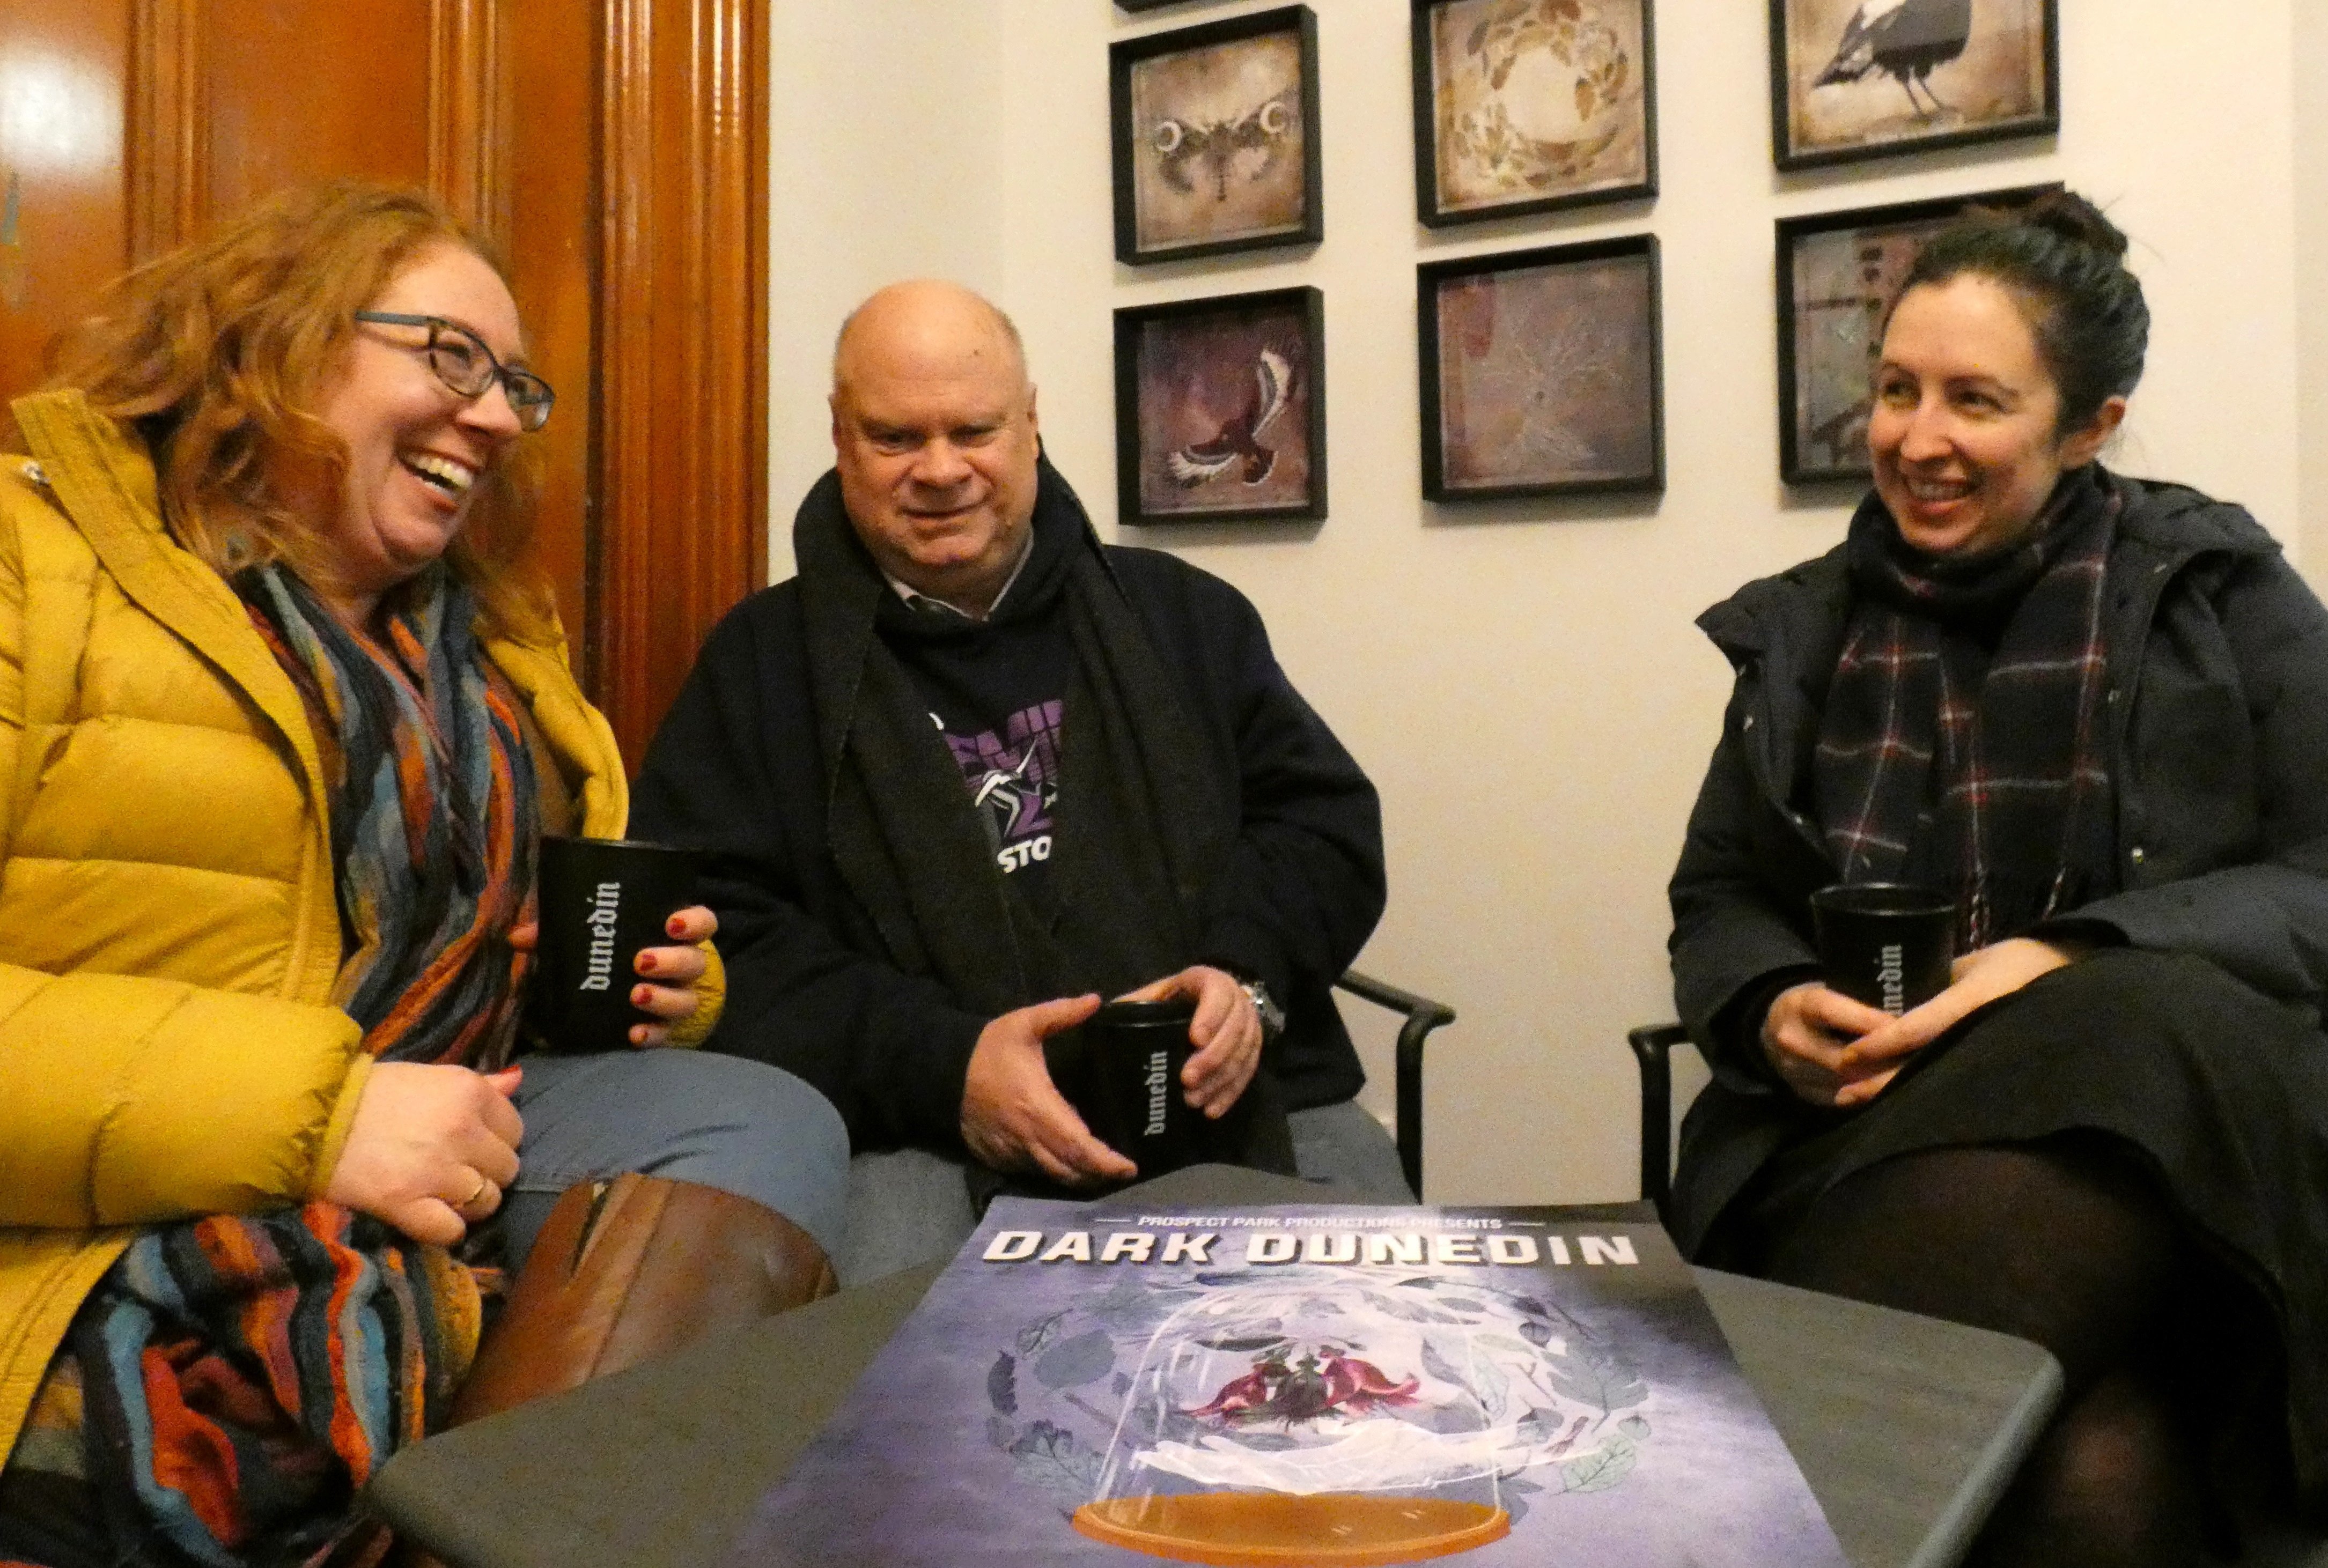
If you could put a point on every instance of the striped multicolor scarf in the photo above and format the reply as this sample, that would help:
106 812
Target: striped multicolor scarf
233 1380
1962 742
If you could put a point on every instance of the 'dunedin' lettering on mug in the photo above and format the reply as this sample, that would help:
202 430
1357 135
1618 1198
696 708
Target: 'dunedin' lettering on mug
1892 978
1160 1074
607 902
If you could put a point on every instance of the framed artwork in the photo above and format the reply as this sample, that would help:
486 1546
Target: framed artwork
1527 106
1216 130
1838 276
1542 372
1865 79
1220 408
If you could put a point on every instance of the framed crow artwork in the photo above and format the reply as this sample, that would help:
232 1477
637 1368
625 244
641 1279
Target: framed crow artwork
1867 79
1216 134
1838 276
1220 408
1530 106
1542 372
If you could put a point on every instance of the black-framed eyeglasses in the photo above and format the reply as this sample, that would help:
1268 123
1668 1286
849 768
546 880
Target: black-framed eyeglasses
463 363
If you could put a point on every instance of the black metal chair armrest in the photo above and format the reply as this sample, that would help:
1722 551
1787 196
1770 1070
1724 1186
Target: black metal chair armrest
1422 1016
1652 1045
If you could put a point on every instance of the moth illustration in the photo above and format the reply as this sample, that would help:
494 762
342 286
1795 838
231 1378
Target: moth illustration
1247 145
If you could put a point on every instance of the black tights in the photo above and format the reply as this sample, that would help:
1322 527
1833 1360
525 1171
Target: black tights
2066 1244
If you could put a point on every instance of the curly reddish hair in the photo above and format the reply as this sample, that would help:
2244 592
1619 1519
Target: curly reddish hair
216 351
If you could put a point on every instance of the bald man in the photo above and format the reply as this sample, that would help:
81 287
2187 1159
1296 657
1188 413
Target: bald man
970 771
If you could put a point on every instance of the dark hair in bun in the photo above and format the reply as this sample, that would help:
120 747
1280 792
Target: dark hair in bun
2067 263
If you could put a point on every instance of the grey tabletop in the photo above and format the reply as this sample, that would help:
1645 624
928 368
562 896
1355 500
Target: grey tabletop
1906 1428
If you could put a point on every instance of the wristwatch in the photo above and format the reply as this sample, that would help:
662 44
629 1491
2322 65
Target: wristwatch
1272 1016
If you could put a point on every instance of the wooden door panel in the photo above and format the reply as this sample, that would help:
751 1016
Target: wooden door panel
295 90
544 199
63 230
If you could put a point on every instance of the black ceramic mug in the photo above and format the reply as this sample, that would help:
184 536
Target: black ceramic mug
1133 1100
601 899
1886 944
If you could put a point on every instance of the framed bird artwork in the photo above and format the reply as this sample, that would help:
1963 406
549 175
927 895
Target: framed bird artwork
1531 106
1869 79
1838 276
1542 372
1220 408
1215 137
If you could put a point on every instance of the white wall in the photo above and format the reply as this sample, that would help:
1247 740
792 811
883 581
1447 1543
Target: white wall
1522 678
2310 60
884 145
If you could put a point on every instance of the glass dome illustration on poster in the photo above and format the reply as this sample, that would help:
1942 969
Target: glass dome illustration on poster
1282 1410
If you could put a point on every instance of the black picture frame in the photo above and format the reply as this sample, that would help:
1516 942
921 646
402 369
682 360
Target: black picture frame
1834 292
1200 432
1467 142
2016 64
1554 381
1224 143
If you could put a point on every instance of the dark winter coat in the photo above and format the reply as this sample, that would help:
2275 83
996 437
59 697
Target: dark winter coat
736 768
2218 706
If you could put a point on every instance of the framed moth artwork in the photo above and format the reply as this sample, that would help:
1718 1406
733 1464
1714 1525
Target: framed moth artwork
1530 106
1216 134
1220 408
1866 78
1542 372
1838 276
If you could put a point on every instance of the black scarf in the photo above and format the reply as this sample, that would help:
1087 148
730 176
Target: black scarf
1963 742
1148 805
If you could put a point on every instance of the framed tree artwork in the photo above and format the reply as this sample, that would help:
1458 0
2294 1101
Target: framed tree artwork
1530 106
1867 79
1215 134
1838 276
1542 372
1220 408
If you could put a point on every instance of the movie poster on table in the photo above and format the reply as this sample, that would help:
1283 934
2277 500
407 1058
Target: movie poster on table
1091 1384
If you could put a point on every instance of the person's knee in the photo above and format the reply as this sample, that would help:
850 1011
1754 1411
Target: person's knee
2111 1482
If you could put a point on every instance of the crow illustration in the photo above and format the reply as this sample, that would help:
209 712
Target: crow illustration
1240 436
1908 38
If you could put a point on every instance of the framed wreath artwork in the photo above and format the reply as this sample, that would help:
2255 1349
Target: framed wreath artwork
1529 106
1541 372
1838 276
1867 79
1215 137
1220 408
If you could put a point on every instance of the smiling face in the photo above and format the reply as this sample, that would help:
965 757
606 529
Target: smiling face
415 448
934 437
1962 437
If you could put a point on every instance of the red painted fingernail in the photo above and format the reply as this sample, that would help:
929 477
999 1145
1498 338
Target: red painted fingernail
642 994
674 925
646 963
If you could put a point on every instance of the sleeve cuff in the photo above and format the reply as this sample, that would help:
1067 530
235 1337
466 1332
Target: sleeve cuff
343 1118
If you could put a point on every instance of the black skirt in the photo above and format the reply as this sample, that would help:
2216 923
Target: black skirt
2220 1093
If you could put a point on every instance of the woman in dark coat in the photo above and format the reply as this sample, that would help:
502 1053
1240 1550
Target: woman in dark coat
2095 711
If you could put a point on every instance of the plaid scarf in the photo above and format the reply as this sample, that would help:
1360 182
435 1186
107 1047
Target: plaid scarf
233 1380
1962 743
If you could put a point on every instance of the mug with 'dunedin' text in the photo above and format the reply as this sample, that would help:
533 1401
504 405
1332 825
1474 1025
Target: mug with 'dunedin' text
1886 944
1133 1099
601 900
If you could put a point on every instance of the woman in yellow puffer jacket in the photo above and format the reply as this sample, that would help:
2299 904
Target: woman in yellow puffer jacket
282 719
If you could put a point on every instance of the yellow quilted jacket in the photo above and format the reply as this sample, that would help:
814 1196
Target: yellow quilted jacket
168 931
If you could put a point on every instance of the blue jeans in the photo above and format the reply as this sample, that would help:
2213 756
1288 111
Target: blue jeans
719 1121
